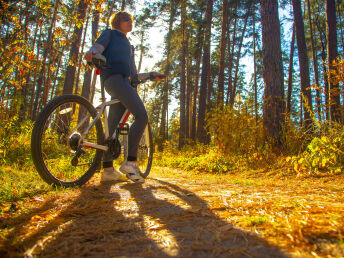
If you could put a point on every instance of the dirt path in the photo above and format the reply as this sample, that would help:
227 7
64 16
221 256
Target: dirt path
181 214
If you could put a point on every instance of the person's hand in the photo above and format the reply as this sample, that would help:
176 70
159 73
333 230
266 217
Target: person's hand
158 76
88 56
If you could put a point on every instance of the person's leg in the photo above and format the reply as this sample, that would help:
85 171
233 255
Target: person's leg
129 98
114 116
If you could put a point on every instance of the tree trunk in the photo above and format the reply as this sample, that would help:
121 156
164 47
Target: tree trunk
324 67
304 63
272 70
35 74
188 89
164 109
255 67
200 37
223 44
141 51
201 132
81 57
290 73
231 46
331 33
74 51
233 93
315 63
86 87
182 77
46 53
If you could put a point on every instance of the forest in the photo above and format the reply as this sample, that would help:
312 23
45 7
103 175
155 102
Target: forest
252 89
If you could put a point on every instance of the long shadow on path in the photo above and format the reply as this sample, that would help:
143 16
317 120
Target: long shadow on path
156 219
196 231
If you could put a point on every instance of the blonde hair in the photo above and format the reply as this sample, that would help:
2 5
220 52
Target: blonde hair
115 19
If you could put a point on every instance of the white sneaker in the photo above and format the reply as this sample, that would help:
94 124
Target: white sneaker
132 171
111 174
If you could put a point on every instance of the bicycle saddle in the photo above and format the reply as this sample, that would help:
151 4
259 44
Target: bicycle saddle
98 61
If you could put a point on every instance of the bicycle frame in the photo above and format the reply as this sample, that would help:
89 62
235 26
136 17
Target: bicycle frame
101 108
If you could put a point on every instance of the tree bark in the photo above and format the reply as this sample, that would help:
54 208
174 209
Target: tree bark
231 45
200 36
182 78
188 89
86 87
272 71
233 93
74 51
46 53
315 63
290 73
164 109
324 67
201 132
304 64
223 45
255 66
332 53
81 57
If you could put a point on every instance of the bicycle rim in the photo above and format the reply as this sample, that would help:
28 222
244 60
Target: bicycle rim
145 151
62 160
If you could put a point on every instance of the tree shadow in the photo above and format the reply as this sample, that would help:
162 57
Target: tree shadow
196 230
157 219
90 225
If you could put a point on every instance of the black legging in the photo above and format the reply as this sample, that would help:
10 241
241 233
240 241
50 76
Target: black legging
119 88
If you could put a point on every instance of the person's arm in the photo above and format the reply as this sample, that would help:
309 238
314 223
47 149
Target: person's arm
151 75
98 47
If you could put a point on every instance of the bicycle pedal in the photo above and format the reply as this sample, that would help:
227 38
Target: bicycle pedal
123 128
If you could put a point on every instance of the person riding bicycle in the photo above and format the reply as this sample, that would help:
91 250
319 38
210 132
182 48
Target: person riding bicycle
120 64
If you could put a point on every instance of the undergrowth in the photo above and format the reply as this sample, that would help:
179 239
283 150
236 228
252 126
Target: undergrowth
18 177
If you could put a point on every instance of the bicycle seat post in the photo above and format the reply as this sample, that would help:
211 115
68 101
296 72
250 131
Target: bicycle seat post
103 99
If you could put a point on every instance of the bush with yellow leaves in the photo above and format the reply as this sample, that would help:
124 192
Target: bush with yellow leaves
235 129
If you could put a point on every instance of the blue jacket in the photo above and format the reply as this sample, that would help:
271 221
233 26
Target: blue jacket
118 52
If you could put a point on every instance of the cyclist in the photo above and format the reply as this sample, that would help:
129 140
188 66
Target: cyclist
120 64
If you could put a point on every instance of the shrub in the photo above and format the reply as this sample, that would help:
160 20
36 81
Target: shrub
15 141
323 154
234 130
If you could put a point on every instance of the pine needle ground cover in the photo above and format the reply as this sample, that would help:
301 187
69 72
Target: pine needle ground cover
181 213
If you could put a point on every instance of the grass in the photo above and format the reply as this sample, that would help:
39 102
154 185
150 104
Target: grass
20 181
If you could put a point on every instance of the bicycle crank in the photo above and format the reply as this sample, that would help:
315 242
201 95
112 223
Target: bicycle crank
78 153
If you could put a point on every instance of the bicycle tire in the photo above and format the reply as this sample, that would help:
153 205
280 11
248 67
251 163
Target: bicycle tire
145 151
53 148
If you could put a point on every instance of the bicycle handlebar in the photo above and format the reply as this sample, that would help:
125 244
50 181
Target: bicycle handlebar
99 61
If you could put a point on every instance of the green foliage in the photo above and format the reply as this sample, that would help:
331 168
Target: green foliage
323 154
15 141
18 177
19 182
205 158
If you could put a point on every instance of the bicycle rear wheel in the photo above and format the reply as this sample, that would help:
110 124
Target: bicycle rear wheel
56 142
145 151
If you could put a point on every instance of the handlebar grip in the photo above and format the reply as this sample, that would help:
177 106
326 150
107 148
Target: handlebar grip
98 60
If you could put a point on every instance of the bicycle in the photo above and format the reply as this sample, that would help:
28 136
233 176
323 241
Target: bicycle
68 139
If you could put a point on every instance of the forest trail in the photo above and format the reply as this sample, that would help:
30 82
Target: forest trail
181 214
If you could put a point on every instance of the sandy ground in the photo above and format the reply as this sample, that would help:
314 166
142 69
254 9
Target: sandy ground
172 214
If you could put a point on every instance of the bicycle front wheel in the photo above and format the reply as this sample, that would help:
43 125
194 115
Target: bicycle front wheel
57 141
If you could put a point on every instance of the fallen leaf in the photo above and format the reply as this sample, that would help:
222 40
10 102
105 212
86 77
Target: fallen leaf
226 227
